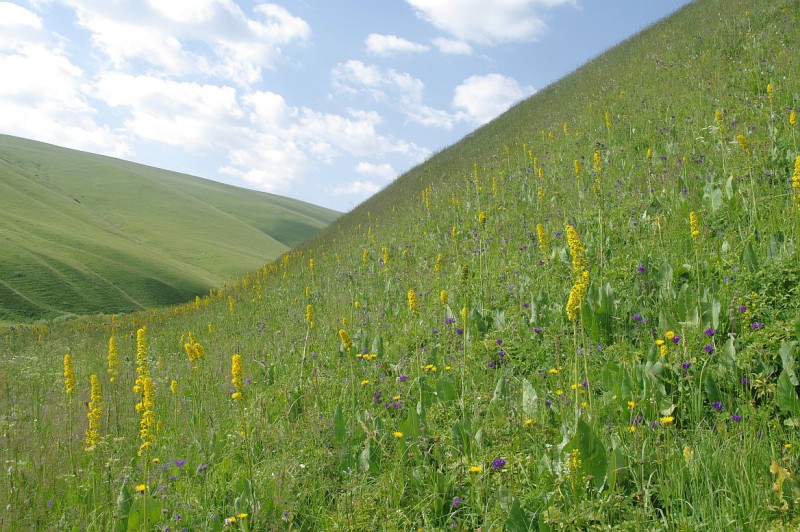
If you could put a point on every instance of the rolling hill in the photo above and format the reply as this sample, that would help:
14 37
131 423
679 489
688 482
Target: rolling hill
83 233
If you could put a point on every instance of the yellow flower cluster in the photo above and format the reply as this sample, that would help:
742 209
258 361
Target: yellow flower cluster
146 434
95 413
438 266
577 168
577 295
236 371
482 217
69 374
743 142
796 181
542 236
385 252
413 302
367 356
694 225
112 359
579 262
309 316
194 349
347 342
443 297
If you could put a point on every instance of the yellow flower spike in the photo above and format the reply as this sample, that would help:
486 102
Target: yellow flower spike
443 297
413 302
792 118
347 342
69 374
112 359
95 414
542 236
482 218
694 225
173 387
236 371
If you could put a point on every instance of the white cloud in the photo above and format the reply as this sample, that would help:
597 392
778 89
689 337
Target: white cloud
485 97
384 171
452 46
488 22
43 95
362 188
385 85
391 44
211 37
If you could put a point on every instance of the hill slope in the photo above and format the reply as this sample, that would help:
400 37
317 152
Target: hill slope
83 233
582 317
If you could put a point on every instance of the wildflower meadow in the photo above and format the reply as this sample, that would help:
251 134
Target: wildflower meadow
584 316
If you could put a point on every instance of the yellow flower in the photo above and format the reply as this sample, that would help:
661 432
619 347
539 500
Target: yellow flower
579 263
667 420
443 297
528 422
542 236
346 341
364 382
397 434
631 404
577 168
95 414
669 335
743 142
482 217
577 295
242 515
792 118
140 488
559 392
632 428
69 374
769 91
552 371
694 225
787 446
113 359
413 302
659 342
475 469
237 396
173 386
236 371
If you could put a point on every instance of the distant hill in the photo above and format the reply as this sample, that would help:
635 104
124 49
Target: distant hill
83 233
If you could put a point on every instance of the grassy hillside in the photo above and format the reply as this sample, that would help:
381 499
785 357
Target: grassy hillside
82 233
582 317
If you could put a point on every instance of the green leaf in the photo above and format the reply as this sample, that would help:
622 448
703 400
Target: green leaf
664 278
446 389
499 390
144 513
592 453
713 195
461 433
797 328
377 346
617 468
410 427
749 259
518 520
530 401
711 389
786 395
339 425
787 358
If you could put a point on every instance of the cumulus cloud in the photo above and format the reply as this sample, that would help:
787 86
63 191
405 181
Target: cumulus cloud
392 44
361 188
32 64
384 171
452 46
387 84
211 37
488 22
484 97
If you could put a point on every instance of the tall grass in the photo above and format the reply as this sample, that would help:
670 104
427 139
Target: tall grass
415 365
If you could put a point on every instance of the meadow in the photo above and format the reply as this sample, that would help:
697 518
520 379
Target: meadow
83 233
584 316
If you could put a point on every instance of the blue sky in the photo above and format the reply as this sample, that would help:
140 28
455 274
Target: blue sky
326 101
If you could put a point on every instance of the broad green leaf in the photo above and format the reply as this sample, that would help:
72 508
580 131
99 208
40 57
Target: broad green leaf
786 395
518 520
377 346
786 353
499 390
446 389
339 425
749 259
711 389
617 468
592 453
530 401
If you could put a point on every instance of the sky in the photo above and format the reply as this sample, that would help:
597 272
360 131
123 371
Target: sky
326 101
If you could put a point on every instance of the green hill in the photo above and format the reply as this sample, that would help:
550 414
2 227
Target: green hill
584 316
82 233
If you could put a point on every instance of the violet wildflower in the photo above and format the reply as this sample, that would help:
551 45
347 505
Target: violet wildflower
498 463
537 330
710 332
686 364
637 318
756 325
202 468
742 308
676 339
459 331
640 268
708 348
180 462
456 502
736 417
450 320
526 305
548 402
744 380
402 378
716 405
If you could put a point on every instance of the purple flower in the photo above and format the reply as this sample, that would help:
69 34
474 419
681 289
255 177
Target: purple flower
640 268
526 305
708 348
499 341
402 378
742 308
716 405
456 502
449 321
756 325
173 478
202 468
459 331
686 364
180 462
744 380
376 397
736 417
585 384
498 463
637 318
676 339
548 402
710 332
537 330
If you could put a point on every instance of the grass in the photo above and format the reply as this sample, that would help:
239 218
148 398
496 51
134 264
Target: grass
83 233
414 365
